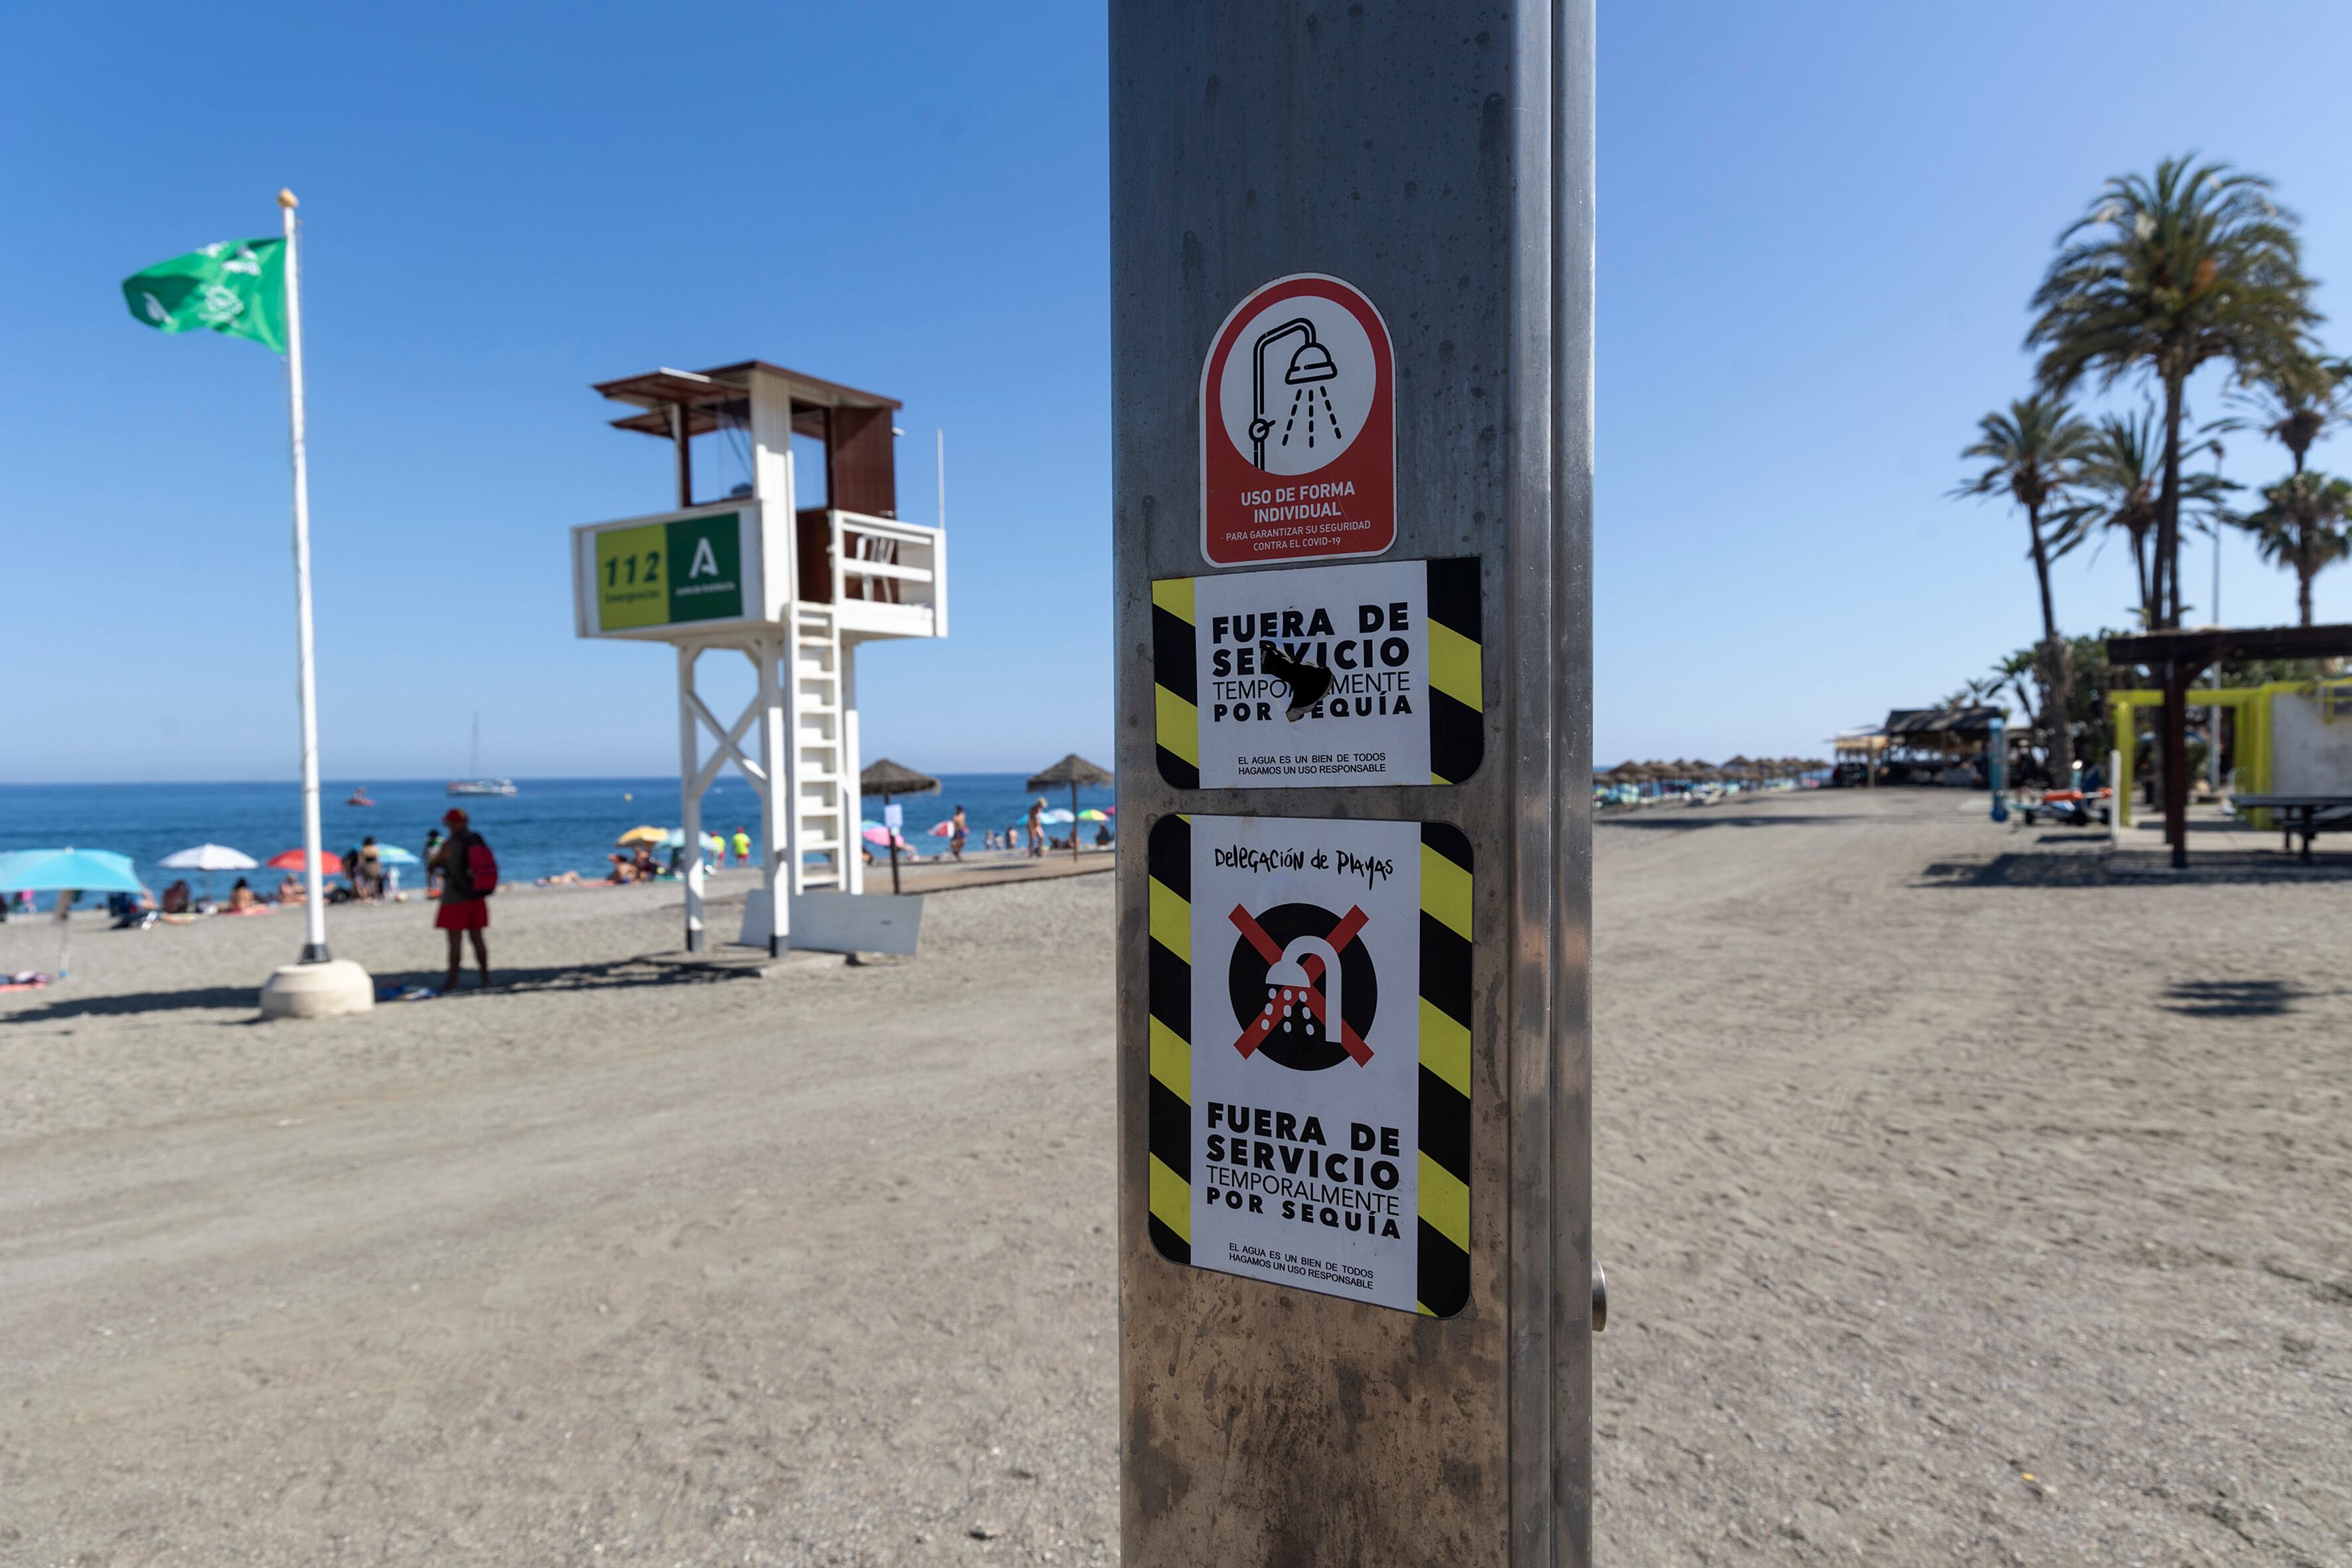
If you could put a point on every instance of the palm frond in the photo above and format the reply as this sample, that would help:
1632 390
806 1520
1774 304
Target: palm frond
2030 450
2164 274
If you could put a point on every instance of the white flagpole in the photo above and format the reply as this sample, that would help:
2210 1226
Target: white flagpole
314 906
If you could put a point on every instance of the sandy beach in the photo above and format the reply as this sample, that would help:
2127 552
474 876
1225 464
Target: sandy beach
1961 1205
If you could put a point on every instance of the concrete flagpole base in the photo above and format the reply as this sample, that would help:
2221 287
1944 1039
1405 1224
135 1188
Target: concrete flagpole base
326 990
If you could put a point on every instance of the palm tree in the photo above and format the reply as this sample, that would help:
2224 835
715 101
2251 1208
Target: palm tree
2302 527
2165 274
2031 452
2116 486
2010 675
2117 480
2293 403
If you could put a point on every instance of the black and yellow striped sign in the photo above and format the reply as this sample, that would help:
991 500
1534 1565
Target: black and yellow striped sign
1441 1014
1437 671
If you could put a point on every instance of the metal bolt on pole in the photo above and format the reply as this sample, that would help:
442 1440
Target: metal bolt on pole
1353 598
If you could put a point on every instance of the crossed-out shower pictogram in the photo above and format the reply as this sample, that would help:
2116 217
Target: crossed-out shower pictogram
1309 996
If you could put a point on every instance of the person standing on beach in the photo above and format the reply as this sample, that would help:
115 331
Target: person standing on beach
742 848
465 906
957 831
1036 828
432 863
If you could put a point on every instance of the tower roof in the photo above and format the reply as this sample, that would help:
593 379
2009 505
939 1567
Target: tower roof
706 394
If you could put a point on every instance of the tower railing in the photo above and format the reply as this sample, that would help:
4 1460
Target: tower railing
889 576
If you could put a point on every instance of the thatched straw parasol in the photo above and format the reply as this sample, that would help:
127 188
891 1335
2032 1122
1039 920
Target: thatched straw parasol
886 778
1074 770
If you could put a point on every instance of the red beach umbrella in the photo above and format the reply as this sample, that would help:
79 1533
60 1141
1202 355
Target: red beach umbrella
329 863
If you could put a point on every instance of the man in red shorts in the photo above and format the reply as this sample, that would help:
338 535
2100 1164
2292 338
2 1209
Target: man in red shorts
464 908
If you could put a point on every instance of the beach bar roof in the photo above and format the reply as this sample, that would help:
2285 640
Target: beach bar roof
1979 720
1949 733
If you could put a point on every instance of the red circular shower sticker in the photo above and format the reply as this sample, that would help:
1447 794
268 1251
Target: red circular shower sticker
1298 427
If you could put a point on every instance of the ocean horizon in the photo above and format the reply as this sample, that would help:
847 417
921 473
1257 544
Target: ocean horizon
550 826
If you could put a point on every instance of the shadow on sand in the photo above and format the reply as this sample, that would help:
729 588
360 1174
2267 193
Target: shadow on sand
200 997
618 973
2017 871
1685 819
2232 998
2084 869
246 999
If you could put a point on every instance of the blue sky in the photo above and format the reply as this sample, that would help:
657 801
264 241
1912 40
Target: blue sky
1819 226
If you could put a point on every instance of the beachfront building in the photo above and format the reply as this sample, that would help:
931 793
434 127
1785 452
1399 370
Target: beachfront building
1924 745
794 569
1856 754
1940 745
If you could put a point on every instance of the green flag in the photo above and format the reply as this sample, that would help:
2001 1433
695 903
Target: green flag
234 286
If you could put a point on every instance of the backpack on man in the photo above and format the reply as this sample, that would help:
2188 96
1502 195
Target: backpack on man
481 867
470 869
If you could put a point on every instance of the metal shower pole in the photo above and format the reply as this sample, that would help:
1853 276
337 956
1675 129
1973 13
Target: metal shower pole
1443 169
314 906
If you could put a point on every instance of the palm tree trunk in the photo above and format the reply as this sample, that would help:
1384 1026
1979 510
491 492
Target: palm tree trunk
2140 577
2057 707
2167 512
2305 569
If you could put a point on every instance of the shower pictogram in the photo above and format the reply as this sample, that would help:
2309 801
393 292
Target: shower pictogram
1309 370
1298 427
1306 1020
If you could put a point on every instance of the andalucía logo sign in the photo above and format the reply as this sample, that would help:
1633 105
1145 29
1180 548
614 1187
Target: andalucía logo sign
1298 427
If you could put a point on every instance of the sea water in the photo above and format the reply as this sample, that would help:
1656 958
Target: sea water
548 825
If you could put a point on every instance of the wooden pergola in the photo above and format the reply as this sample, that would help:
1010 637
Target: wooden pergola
2177 658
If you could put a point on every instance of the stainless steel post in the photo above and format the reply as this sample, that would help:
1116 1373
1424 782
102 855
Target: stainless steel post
1441 163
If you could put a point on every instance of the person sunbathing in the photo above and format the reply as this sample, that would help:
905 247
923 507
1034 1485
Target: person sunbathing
240 898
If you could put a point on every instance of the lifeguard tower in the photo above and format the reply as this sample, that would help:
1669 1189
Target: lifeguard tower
795 589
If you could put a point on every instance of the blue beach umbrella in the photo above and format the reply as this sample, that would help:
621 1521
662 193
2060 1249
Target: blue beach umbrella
393 856
83 870
60 870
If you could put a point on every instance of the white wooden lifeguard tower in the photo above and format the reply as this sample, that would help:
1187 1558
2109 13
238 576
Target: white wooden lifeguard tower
795 589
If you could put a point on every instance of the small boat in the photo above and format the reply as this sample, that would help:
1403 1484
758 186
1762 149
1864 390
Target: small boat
360 797
477 785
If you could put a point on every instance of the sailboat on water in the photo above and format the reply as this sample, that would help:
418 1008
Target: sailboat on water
476 784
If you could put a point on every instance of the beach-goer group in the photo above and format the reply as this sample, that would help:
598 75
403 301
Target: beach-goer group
1032 832
366 875
636 866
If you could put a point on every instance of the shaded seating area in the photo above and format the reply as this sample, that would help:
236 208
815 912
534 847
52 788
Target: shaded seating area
1928 745
2175 659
